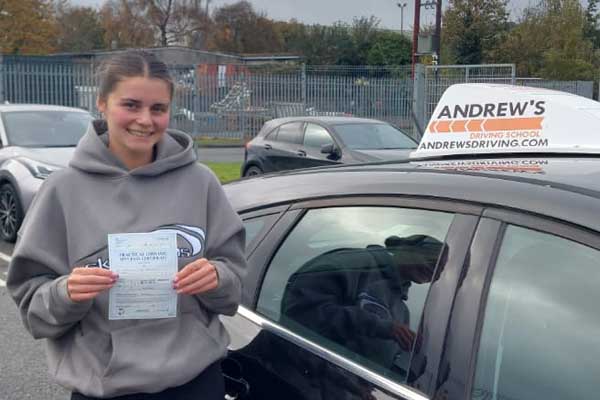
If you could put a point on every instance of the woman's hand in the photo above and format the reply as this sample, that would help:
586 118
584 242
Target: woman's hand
86 283
197 277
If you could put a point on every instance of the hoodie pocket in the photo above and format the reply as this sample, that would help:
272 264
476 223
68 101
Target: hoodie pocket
153 355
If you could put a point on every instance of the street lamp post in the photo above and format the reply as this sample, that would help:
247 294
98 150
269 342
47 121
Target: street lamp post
401 5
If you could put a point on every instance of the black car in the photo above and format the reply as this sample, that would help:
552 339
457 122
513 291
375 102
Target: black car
446 277
302 142
510 312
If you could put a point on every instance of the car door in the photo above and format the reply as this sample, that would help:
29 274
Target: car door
345 347
315 136
525 323
282 147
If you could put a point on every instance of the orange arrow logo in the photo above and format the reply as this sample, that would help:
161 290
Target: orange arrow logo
486 125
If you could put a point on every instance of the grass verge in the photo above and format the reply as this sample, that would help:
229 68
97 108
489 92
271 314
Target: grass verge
225 171
217 142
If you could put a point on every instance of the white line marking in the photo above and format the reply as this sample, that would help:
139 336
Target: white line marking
6 258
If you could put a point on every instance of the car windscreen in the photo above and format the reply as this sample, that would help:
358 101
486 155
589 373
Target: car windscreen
45 128
373 137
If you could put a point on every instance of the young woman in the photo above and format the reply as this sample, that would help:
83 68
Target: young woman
136 177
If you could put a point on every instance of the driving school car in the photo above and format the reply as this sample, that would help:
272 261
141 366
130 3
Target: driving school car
507 180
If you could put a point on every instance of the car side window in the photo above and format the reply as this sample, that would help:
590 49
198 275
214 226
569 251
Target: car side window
256 226
316 136
290 133
272 135
541 330
355 279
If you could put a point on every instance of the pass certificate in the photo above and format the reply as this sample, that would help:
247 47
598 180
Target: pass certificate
146 264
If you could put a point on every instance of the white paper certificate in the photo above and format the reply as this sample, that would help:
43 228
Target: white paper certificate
146 264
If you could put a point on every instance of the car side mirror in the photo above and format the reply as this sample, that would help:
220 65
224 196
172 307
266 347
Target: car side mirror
331 149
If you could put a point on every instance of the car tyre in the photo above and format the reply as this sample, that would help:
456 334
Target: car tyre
11 213
253 171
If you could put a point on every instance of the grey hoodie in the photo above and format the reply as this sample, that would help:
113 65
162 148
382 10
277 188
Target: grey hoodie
67 226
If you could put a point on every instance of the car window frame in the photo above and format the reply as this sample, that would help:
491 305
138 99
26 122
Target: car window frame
466 216
467 316
274 212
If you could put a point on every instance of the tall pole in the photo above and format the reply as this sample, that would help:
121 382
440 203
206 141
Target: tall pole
438 29
417 22
401 5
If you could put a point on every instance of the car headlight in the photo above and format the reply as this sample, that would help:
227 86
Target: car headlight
38 169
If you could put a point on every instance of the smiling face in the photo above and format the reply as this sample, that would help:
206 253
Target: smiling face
137 114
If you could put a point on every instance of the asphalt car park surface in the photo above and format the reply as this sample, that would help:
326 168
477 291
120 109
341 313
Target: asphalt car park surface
23 370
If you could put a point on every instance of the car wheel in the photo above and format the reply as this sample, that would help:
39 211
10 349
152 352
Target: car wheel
253 171
11 213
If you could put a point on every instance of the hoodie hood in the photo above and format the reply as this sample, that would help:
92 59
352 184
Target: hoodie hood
92 155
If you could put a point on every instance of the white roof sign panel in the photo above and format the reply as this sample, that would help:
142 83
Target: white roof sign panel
488 119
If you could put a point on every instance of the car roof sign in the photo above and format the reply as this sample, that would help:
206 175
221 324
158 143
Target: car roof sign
499 119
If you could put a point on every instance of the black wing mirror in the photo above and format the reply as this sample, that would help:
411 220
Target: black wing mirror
331 149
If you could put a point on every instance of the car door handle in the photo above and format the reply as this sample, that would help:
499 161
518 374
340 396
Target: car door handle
268 147
301 153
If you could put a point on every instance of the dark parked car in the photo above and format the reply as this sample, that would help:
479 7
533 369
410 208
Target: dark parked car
302 142
440 278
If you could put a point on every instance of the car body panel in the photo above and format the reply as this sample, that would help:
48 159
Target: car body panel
557 190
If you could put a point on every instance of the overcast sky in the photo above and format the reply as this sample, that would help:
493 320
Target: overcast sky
329 11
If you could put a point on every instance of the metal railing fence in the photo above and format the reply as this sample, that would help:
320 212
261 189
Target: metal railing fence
234 101
439 78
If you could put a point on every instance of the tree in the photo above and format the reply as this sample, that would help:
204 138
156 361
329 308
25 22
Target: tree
125 26
473 28
78 29
363 32
173 21
549 42
390 48
239 28
26 27
591 29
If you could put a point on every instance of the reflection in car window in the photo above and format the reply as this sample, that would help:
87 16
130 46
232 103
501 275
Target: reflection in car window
45 128
255 226
316 136
290 133
373 136
355 279
541 331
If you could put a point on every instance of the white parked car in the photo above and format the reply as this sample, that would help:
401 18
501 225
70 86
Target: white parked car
35 140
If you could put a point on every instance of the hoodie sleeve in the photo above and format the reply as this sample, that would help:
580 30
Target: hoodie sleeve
225 247
38 271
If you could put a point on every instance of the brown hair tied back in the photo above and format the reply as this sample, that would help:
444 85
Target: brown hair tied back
130 64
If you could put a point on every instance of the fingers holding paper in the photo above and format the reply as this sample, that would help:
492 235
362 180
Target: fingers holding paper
197 277
86 283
